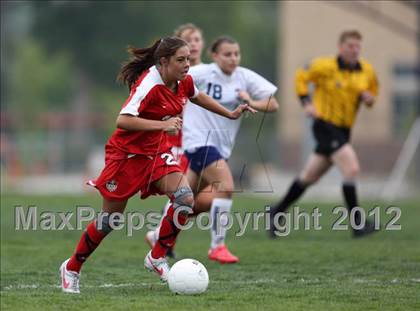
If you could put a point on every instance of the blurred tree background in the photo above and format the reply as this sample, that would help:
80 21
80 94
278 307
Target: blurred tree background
59 98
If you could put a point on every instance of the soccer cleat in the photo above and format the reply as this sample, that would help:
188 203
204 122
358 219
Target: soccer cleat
271 231
281 222
369 228
222 255
69 279
151 239
160 266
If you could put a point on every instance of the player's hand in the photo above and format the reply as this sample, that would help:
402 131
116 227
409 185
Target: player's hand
173 133
172 125
235 114
310 110
367 98
245 97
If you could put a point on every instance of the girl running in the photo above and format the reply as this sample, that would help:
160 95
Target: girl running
138 156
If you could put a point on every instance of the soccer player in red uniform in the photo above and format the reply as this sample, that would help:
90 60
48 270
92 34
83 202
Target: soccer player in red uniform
138 156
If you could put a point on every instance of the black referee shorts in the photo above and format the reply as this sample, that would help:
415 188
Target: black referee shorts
329 137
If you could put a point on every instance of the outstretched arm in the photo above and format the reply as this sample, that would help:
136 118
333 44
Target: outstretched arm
207 102
268 104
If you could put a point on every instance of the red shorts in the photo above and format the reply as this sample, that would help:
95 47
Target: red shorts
181 158
123 178
183 163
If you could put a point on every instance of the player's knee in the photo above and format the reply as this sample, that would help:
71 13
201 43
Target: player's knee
183 198
223 189
188 200
308 179
107 222
352 171
228 189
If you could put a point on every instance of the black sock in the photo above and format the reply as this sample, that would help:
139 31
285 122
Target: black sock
295 192
350 197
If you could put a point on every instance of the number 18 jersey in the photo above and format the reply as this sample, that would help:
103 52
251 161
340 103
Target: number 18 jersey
204 128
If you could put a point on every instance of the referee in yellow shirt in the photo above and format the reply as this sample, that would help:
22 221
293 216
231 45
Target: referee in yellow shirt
341 85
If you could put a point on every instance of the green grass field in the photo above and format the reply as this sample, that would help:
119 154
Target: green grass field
307 270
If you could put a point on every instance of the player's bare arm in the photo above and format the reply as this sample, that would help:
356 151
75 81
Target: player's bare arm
207 102
367 98
269 104
309 109
132 123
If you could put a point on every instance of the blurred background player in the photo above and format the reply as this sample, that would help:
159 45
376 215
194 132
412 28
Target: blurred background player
341 84
138 156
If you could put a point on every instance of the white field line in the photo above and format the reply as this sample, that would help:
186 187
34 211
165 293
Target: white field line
106 285
250 282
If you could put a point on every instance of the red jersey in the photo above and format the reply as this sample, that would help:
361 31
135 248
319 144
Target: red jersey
150 99
176 140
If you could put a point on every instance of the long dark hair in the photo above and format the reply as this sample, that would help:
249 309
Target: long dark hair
143 58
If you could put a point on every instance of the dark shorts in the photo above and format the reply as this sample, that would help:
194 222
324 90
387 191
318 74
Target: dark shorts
202 157
329 137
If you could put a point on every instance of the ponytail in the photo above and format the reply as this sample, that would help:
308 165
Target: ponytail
143 58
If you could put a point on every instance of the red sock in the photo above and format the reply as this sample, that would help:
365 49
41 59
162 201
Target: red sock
89 241
168 233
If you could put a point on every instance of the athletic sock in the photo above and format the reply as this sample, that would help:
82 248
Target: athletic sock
89 241
164 211
218 213
295 191
350 197
166 207
168 232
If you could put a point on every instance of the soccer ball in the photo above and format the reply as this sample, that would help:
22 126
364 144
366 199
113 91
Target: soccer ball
188 277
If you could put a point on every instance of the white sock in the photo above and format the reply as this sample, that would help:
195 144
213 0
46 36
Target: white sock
165 210
218 215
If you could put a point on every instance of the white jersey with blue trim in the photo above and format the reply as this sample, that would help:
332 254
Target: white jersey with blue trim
205 128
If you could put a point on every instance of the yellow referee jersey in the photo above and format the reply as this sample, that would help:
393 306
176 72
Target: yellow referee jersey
337 88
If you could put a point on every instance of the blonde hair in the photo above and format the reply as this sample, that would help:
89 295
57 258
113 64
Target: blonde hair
190 27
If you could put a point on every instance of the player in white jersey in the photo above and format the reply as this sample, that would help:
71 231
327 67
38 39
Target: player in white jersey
208 140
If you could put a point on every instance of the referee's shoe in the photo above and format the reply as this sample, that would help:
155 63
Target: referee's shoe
368 228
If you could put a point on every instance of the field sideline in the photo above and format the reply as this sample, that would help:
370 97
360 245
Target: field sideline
314 270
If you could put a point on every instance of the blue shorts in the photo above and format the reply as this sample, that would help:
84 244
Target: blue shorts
202 157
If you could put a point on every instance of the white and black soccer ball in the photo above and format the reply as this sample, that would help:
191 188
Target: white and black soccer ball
188 277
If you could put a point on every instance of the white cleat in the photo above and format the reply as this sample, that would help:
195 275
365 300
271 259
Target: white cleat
150 238
69 279
160 266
